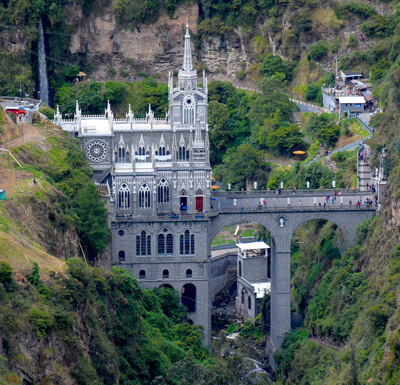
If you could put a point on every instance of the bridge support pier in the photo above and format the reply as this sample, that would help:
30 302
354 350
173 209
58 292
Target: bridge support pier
280 295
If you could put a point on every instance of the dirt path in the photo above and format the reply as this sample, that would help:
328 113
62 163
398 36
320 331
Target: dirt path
10 175
31 134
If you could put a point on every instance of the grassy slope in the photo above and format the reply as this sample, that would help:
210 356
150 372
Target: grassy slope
27 234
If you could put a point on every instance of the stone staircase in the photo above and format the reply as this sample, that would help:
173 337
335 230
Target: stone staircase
365 171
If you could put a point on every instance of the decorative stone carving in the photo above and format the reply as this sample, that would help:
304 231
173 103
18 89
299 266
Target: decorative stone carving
97 150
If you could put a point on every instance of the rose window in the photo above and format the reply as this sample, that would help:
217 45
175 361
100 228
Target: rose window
96 150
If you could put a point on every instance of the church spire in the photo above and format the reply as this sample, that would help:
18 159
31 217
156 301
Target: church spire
187 56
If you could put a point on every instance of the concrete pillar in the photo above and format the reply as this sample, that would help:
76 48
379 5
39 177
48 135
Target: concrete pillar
280 295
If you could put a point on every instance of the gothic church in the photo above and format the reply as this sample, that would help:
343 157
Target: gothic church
158 175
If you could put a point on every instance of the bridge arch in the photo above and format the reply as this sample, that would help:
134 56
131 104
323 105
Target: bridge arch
224 220
281 224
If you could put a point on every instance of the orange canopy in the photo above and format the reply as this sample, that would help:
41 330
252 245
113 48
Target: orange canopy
299 152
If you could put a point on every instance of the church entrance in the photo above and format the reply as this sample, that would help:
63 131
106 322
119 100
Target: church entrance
199 201
183 203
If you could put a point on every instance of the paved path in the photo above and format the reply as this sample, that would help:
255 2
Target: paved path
283 201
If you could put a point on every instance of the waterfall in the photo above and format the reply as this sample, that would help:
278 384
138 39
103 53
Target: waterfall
43 83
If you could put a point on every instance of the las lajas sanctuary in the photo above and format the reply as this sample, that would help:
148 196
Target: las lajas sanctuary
158 176
157 172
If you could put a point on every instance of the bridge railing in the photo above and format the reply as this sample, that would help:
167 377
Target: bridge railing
262 193
244 210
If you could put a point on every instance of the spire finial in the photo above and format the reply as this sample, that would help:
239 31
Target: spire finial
187 55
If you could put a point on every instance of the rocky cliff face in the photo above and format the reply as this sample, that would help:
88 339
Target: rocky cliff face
155 48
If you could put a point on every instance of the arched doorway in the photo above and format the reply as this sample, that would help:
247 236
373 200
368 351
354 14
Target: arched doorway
199 201
166 286
183 202
189 297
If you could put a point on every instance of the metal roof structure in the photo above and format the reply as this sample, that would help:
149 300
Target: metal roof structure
252 246
351 99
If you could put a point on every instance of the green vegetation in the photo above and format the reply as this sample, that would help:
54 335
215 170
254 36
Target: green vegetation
79 204
93 96
118 317
348 10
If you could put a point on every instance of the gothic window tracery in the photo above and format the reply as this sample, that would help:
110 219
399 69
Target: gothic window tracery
183 154
121 155
187 242
143 244
188 111
163 191
97 151
144 196
124 197
165 244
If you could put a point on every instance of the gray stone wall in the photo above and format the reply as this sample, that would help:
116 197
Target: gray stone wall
255 269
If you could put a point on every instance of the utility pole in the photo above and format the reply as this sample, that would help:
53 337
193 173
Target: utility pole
336 75
20 90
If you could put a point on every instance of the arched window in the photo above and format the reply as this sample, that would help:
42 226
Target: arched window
143 244
121 154
192 244
188 273
249 302
163 191
170 244
242 297
144 196
189 297
161 151
187 234
165 274
121 256
187 243
124 197
161 244
142 151
188 112
182 153
142 274
240 269
165 243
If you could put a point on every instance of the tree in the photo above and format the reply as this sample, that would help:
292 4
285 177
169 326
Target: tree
246 162
271 124
220 136
284 139
273 64
270 100
319 49
312 91
91 219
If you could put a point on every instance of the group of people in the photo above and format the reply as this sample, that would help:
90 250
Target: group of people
368 201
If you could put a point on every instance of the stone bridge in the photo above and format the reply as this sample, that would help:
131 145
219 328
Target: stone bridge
281 223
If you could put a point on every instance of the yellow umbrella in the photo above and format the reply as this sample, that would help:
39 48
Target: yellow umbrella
299 152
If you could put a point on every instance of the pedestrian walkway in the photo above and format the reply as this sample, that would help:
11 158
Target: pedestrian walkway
365 171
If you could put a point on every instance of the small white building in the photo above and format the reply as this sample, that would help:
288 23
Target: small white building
353 104
350 75
253 281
